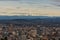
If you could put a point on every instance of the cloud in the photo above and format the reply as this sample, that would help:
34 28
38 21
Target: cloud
34 8
56 4
56 0
9 0
29 11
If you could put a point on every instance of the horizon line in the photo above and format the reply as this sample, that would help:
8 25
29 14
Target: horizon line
26 16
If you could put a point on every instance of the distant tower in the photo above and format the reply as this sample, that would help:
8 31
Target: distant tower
10 29
11 25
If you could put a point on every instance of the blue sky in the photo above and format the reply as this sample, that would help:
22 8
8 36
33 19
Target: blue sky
30 7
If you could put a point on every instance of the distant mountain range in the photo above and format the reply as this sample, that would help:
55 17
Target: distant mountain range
30 19
23 17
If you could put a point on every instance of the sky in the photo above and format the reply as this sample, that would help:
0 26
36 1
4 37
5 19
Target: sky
30 7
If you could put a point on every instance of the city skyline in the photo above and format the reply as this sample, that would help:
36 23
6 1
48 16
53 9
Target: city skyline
30 7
